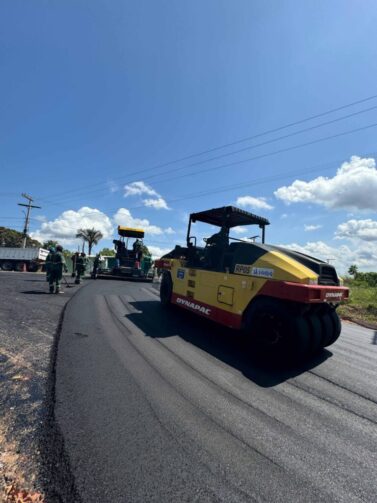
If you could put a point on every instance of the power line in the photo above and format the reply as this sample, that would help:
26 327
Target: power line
260 156
245 183
274 130
268 154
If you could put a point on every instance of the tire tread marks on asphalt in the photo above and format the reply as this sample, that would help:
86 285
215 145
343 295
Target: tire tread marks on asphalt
162 424
263 416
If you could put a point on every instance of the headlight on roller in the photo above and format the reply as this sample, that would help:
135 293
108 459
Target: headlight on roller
313 281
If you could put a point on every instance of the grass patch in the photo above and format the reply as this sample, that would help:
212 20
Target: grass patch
362 305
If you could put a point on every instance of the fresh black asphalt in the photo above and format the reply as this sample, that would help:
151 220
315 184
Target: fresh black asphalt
29 323
161 406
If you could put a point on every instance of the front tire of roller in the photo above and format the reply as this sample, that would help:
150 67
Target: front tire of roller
166 289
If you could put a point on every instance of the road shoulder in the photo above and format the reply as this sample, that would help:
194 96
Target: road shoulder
29 329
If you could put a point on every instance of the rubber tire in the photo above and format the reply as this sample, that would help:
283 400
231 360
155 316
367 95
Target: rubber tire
337 327
328 332
166 289
7 265
33 267
282 325
315 333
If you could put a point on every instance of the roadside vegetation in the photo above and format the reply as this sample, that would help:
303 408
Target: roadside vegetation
362 305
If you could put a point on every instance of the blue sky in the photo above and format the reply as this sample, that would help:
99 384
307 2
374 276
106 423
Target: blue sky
96 96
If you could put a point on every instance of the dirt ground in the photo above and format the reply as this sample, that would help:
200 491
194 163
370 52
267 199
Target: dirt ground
29 319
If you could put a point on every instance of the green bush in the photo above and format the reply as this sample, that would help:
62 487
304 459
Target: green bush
369 278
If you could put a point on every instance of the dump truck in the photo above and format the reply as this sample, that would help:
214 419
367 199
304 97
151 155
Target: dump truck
131 261
283 300
19 259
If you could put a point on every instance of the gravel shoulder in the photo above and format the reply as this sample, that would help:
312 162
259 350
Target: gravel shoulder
29 323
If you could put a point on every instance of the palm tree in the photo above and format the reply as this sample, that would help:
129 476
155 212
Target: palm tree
353 271
90 236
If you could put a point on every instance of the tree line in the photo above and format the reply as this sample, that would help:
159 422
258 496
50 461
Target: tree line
369 278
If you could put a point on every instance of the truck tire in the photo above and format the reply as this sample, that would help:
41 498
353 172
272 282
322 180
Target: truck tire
166 289
33 267
7 265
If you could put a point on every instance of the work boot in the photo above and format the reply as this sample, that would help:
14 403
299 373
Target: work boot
58 290
51 289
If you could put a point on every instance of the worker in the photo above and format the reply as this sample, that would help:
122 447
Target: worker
96 264
146 264
74 258
137 245
49 262
81 263
56 274
216 245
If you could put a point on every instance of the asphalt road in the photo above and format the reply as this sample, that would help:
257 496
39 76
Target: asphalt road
171 408
29 319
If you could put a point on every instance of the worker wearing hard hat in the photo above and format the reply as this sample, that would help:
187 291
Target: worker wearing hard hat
49 262
81 263
58 266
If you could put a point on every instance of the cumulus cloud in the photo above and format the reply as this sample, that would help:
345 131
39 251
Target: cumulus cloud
124 217
65 226
157 204
158 252
365 230
253 202
364 255
140 188
309 228
353 187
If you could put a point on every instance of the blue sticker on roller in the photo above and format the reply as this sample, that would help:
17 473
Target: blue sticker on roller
180 273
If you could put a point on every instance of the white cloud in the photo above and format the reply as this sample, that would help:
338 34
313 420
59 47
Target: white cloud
364 254
113 187
169 230
253 202
65 226
309 228
138 189
157 204
239 230
365 230
158 252
123 217
353 187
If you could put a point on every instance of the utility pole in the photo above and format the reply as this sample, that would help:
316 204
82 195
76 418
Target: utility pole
29 206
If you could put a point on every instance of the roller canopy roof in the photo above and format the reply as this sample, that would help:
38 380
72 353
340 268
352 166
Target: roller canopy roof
129 232
228 216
